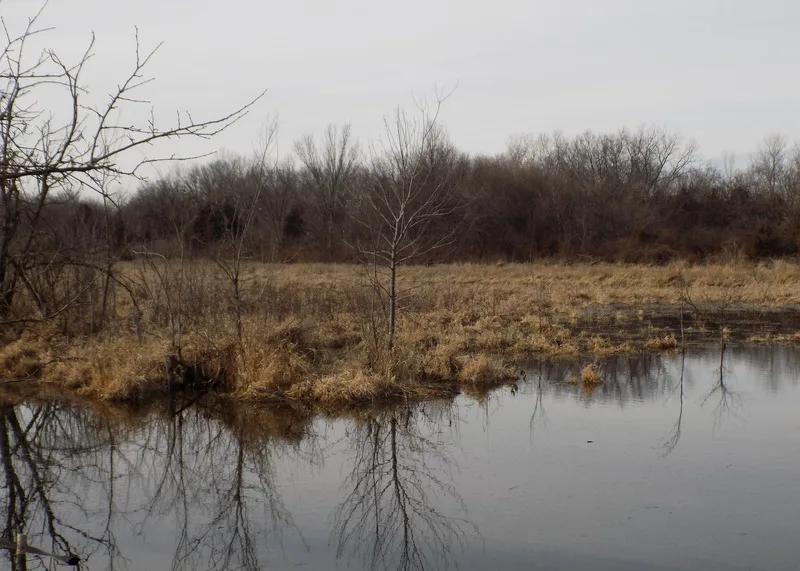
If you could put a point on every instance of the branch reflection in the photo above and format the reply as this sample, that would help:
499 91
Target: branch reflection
728 401
72 477
396 512
45 449
217 479
675 435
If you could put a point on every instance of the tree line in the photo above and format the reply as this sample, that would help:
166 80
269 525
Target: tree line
631 196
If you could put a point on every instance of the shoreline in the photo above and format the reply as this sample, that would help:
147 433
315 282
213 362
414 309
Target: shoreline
291 419
310 343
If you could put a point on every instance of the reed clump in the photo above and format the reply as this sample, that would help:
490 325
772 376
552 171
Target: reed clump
590 376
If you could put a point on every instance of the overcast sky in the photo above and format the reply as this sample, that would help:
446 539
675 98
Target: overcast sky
723 72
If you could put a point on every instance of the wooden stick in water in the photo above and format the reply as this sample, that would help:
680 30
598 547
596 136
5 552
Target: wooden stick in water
21 548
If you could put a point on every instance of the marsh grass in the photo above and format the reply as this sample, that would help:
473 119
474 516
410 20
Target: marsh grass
311 333
663 343
775 339
590 376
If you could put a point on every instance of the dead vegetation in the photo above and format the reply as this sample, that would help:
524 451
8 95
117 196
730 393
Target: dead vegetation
590 376
125 299
307 334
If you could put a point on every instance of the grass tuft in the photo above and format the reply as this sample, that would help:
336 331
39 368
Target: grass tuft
589 376
666 343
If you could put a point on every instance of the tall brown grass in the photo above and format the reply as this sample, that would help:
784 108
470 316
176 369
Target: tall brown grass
309 335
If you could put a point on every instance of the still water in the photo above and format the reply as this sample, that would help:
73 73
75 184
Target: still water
676 462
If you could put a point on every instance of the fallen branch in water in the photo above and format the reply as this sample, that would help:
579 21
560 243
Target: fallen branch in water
22 548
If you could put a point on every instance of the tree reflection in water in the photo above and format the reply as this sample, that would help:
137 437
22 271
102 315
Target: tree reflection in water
218 480
539 386
626 379
212 473
44 450
675 435
632 378
73 477
728 401
387 518
200 481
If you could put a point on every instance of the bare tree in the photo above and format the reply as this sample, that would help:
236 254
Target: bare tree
657 159
769 164
70 146
792 178
232 212
278 184
331 165
412 190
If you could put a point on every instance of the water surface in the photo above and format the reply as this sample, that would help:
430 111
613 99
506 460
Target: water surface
677 462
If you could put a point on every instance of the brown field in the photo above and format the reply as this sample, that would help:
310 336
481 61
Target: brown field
310 334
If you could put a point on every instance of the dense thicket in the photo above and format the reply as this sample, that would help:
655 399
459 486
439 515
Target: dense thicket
642 196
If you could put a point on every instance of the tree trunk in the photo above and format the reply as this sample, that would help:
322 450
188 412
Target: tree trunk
6 281
237 299
392 302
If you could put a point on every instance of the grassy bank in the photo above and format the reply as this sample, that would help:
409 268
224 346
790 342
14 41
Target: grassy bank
314 334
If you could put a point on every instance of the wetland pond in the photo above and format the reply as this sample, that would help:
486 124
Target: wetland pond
674 462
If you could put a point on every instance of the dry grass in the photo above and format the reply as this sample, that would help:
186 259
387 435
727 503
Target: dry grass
589 377
307 334
775 339
665 343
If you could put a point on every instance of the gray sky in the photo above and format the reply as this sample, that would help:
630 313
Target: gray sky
724 72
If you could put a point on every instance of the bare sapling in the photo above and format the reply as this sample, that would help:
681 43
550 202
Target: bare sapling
237 214
409 206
